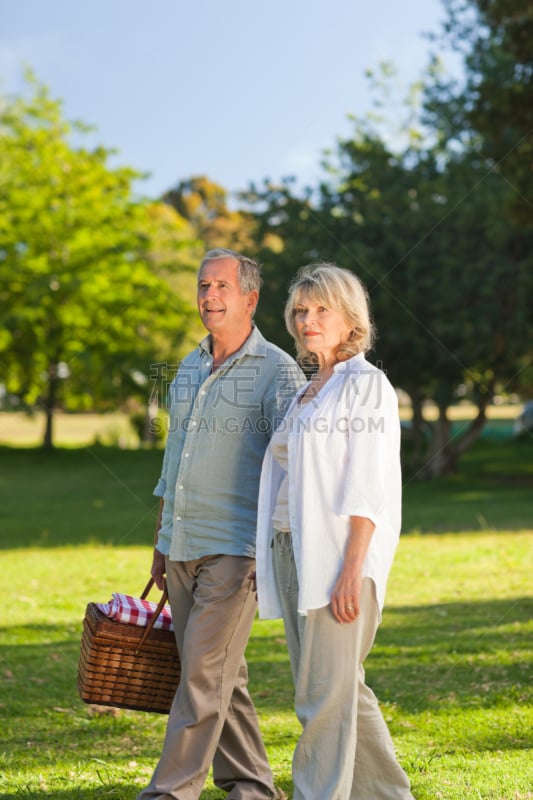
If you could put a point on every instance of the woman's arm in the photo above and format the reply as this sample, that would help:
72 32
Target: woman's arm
345 595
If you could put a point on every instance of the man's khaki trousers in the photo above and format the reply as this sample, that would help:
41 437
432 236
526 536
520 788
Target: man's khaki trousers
212 719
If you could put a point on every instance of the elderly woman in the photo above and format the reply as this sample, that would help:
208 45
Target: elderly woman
329 523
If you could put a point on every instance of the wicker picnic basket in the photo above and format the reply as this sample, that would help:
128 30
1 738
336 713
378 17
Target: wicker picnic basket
125 665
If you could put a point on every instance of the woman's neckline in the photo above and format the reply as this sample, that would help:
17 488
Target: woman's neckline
314 387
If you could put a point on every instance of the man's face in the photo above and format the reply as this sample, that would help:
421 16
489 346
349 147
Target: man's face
223 307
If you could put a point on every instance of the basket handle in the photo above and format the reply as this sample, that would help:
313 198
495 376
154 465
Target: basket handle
164 598
148 586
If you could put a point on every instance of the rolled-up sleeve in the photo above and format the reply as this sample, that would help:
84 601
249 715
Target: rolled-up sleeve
160 488
371 429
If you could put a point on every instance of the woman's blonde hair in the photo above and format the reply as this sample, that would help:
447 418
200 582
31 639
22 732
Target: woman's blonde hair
327 284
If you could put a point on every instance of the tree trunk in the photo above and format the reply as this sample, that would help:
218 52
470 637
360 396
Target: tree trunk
149 433
418 421
444 451
472 433
49 406
441 458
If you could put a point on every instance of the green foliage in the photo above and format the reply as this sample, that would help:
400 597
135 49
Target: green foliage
424 224
287 236
84 303
205 204
495 104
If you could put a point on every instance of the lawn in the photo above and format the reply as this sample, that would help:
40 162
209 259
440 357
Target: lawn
451 666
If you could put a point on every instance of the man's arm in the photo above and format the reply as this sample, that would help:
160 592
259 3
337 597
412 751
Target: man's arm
158 560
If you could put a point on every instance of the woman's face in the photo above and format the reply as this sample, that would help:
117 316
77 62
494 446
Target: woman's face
320 329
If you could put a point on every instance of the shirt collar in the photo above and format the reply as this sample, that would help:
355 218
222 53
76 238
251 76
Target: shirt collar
350 364
255 345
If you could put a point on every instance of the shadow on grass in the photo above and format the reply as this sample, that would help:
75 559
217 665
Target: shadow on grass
461 653
468 655
93 495
109 791
491 491
104 495
435 662
113 792
454 655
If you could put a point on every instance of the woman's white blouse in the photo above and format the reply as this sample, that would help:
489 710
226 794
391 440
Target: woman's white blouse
343 461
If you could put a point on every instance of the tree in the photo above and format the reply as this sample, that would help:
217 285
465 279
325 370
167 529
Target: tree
493 108
490 114
422 226
450 292
83 306
205 205
287 234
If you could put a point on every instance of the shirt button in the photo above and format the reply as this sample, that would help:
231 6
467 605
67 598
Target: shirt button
178 518
186 455
202 392
180 486
193 423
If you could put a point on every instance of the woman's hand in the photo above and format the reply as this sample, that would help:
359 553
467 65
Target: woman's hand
345 596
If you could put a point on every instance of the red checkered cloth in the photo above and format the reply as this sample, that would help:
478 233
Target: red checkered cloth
124 608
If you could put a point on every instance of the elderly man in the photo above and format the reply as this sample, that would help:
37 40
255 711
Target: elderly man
226 400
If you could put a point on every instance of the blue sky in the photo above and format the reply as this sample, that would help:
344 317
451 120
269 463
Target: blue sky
237 90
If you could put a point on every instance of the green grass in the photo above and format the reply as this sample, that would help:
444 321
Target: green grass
492 491
99 494
452 663
63 497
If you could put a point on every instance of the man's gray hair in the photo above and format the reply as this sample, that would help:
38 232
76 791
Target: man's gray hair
248 270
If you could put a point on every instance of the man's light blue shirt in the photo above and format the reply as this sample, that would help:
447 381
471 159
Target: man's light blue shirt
220 424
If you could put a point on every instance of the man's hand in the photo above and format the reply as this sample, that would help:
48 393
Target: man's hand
158 569
252 577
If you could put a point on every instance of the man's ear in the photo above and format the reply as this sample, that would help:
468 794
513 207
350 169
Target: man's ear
253 299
